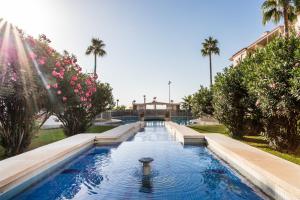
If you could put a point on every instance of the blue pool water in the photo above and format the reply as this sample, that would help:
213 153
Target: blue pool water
178 172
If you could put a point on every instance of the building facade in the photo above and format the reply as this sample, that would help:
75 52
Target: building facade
260 42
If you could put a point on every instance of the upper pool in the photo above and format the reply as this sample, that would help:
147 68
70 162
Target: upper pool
178 172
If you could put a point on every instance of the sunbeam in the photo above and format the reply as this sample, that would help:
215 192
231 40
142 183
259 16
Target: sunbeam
4 47
25 70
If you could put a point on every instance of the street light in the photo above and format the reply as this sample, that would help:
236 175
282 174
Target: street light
169 83
117 103
144 102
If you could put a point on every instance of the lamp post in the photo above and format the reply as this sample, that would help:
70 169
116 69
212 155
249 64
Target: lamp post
169 83
117 103
144 101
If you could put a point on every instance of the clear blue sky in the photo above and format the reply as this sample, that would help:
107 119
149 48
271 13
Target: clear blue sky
149 42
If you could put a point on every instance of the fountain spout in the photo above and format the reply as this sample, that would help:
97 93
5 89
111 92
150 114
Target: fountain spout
146 165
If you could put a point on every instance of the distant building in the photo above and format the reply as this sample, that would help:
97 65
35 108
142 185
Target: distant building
260 42
155 105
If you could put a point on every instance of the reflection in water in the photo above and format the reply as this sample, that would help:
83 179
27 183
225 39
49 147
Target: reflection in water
146 186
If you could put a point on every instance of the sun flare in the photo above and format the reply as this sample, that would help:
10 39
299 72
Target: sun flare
23 13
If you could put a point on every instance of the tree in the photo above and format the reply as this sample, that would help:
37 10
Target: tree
273 77
275 10
78 97
187 102
120 108
25 64
210 47
233 105
202 102
97 49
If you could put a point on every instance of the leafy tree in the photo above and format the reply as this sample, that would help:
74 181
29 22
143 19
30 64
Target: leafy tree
97 49
187 102
210 47
275 10
202 102
23 91
79 97
272 76
120 108
233 105
34 80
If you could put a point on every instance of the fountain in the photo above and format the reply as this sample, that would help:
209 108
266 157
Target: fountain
146 165
146 180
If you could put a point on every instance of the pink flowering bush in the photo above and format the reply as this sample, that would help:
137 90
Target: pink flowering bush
73 93
22 93
36 79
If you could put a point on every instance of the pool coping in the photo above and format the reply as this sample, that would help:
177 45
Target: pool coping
185 136
278 178
18 172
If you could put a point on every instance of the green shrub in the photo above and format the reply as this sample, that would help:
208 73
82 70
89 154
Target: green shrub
233 105
272 75
22 90
202 102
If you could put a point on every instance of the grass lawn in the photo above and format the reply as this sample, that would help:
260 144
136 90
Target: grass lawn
209 128
255 141
52 135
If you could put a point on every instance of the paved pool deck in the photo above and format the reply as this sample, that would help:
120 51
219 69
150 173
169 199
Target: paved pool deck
278 178
18 172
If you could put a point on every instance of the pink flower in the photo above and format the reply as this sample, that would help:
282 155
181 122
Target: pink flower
54 73
42 61
74 78
48 86
64 98
72 83
76 91
61 74
58 92
55 85
79 86
57 64
88 82
32 55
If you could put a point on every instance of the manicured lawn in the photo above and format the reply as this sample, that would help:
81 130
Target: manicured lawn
255 141
99 129
52 135
209 128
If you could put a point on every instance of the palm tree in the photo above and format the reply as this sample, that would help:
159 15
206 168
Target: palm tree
210 47
96 48
275 10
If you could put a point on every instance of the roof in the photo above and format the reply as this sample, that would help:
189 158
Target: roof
269 33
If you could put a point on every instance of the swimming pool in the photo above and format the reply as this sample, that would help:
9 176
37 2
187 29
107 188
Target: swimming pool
114 172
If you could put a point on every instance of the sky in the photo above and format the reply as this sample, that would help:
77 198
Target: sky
148 42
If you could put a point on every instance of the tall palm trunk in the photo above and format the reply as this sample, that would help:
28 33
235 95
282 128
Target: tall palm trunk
95 68
210 69
286 19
